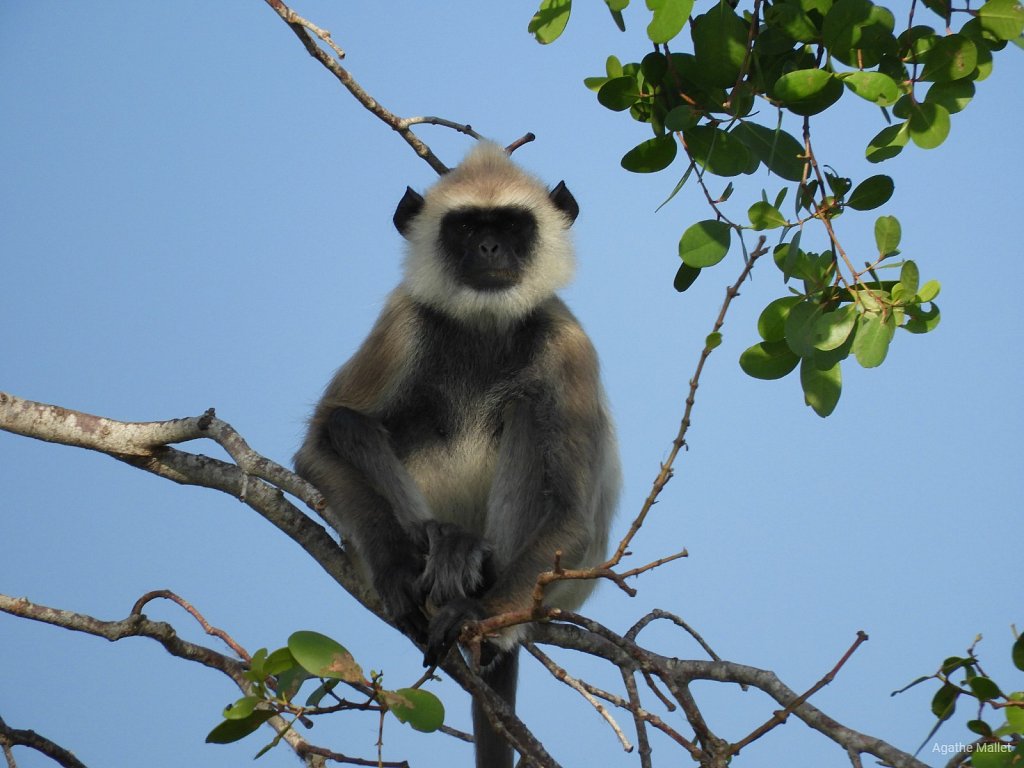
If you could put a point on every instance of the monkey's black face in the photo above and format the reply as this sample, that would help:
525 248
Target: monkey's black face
488 249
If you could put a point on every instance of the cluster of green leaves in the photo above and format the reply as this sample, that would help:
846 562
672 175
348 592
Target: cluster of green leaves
785 58
1001 746
277 676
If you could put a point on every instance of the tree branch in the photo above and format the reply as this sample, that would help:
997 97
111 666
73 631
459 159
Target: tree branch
14 737
402 126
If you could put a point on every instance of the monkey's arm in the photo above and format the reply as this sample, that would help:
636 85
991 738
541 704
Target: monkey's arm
458 563
549 494
342 444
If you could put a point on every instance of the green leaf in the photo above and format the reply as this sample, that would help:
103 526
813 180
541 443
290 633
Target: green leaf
1004 19
685 276
771 323
791 20
681 118
314 699
871 193
765 216
549 21
799 327
995 758
279 661
1017 653
618 93
720 45
808 91
929 124
858 32
705 243
928 292
654 66
952 96
887 234
290 680
1015 715
420 709
910 277
242 708
922 321
888 142
821 388
669 18
768 360
791 260
874 86
839 185
832 329
675 190
979 727
984 688
652 155
944 701
323 657
871 344
230 731
719 152
953 57
778 150
713 340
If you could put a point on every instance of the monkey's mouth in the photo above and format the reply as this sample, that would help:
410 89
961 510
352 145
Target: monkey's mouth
492 279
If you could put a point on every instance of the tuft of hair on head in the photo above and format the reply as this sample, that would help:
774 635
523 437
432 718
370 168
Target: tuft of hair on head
488 178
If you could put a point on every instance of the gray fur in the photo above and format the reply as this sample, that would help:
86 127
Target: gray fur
468 438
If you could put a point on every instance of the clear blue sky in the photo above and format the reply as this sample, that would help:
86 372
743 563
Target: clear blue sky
193 213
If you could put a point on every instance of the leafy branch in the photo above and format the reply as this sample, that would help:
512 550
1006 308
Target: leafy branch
724 104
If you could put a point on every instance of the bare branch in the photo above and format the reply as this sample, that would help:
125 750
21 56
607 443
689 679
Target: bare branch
665 474
256 481
14 737
779 717
525 139
559 673
600 641
300 26
210 630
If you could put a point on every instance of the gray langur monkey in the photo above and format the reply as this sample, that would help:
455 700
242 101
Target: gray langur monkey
468 439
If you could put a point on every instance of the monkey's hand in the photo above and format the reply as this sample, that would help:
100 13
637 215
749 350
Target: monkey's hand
459 564
446 626
399 588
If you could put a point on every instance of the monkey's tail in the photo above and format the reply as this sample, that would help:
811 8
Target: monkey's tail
492 751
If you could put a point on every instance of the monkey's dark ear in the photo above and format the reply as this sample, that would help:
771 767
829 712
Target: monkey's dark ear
408 208
565 202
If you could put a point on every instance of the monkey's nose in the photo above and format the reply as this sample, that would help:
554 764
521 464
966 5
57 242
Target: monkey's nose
489 247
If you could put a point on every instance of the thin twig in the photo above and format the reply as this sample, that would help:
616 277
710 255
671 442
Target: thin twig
210 630
560 673
780 716
665 473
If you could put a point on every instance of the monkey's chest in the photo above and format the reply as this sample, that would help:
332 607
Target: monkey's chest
450 447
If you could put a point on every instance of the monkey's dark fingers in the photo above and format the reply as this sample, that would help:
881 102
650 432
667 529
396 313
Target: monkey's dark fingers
402 596
446 626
